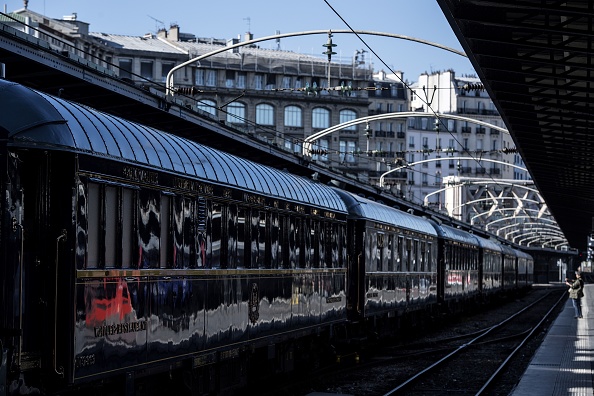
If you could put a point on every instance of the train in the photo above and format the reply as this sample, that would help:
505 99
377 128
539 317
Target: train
129 253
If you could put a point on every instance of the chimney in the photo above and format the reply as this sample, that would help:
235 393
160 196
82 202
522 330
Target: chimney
174 33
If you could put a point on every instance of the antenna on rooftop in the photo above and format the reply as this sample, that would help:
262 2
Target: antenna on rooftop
249 23
158 24
278 47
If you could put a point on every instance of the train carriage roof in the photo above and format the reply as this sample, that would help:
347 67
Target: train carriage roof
455 234
488 244
370 210
32 118
522 254
509 250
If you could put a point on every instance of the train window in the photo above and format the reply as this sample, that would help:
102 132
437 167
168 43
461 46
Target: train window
149 205
93 219
323 229
127 226
380 254
311 239
307 243
415 255
257 240
111 221
164 259
231 236
408 255
386 253
370 249
201 224
390 253
283 258
274 241
183 231
398 256
216 234
422 256
208 235
294 241
430 264
241 261
339 246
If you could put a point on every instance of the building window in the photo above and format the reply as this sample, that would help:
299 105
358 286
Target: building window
165 69
286 82
270 81
259 82
241 78
347 151
411 142
451 125
229 79
125 68
346 116
146 69
199 77
211 78
322 146
293 117
236 113
207 106
320 118
264 114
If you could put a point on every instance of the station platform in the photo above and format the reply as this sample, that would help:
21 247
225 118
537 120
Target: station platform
563 363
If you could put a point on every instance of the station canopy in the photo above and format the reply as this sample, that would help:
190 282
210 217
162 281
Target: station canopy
535 60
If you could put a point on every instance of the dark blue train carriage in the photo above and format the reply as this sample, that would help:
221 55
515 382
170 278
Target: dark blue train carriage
131 251
393 260
458 267
491 268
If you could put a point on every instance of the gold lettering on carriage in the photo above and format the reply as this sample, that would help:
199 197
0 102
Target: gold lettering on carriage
254 199
192 185
120 328
140 175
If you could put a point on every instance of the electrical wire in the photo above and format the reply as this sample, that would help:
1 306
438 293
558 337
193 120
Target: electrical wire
425 101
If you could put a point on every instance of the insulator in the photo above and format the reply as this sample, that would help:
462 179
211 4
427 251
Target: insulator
473 86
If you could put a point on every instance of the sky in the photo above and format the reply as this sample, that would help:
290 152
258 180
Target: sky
421 19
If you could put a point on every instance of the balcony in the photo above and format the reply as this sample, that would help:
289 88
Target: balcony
386 134
494 131
400 135
466 129
480 130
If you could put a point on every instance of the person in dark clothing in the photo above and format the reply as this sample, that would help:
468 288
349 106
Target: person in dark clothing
576 292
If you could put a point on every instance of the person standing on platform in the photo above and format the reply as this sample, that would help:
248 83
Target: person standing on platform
576 292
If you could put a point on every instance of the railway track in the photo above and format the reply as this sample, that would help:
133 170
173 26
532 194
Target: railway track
474 363
471 356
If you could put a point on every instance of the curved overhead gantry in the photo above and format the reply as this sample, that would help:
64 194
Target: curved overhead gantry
383 176
169 78
307 142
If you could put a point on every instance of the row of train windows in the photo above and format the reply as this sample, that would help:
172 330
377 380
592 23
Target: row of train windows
459 258
386 252
492 262
120 227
